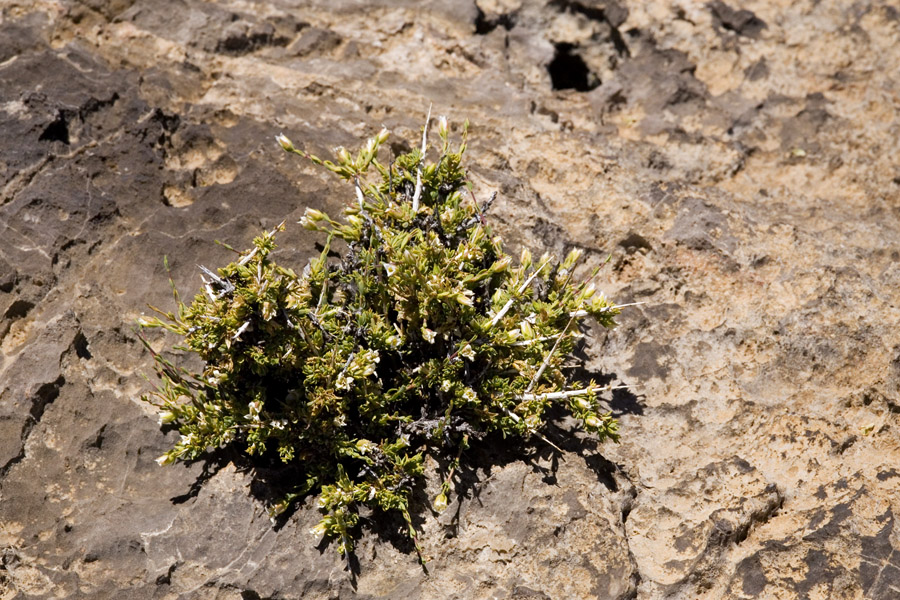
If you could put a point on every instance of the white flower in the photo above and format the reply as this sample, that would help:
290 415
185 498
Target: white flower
365 363
343 382
467 352
446 385
254 408
469 395
428 334
447 215
465 297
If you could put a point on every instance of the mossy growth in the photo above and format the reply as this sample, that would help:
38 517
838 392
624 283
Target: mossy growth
420 339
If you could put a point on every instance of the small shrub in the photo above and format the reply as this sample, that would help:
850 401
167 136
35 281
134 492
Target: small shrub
420 339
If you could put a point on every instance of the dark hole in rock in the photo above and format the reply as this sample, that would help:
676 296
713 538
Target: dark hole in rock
568 71
57 131
634 242
81 346
18 309
7 281
169 122
44 396
484 25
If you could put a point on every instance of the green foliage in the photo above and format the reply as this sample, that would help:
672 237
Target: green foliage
422 337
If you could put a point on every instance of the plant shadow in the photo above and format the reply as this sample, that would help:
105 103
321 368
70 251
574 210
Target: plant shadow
488 454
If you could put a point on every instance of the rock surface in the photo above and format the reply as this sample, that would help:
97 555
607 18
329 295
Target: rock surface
737 162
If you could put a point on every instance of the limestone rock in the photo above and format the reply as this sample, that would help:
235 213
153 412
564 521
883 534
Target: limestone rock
736 162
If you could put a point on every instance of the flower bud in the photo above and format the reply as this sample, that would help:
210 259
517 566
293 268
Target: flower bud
527 330
440 503
443 129
593 422
572 258
501 265
277 509
284 142
164 460
382 136
344 156
525 258
315 215
166 417
465 298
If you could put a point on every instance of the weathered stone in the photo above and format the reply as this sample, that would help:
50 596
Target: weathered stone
737 163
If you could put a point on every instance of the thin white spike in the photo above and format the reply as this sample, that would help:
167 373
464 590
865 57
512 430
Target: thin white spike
509 302
418 192
546 362
567 393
